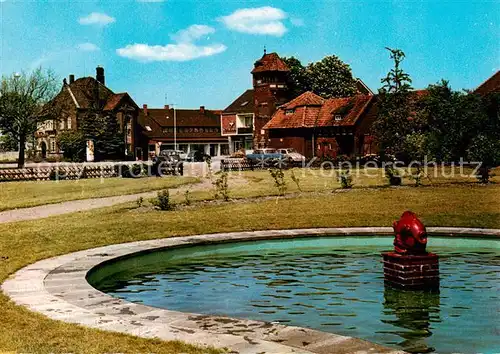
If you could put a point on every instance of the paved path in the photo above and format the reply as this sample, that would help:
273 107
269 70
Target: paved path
44 211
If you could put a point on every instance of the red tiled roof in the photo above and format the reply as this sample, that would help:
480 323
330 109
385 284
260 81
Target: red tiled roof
306 99
490 85
158 119
270 62
310 110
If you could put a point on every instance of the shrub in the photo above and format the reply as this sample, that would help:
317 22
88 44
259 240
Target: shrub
187 197
162 200
417 175
296 180
345 178
221 187
279 180
393 176
140 202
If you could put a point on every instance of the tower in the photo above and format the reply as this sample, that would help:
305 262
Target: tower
270 78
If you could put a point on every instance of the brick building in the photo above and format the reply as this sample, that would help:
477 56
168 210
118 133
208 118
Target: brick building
194 130
75 100
324 127
242 122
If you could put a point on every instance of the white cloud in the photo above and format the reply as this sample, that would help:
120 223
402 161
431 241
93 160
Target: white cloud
96 18
169 52
87 47
192 33
258 20
183 50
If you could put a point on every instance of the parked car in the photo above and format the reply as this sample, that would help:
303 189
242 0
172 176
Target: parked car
171 154
197 156
292 155
268 158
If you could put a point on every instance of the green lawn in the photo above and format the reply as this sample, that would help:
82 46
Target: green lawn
26 194
442 204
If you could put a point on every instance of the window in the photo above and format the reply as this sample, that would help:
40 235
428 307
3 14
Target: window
52 145
152 147
148 128
289 111
68 123
338 117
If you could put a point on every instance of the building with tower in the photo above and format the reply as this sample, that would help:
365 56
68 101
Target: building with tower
243 121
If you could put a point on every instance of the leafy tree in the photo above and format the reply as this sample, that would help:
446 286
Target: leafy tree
331 77
396 108
485 146
22 105
73 145
8 143
452 120
299 79
104 130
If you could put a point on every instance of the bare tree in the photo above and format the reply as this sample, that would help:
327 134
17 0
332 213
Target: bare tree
23 99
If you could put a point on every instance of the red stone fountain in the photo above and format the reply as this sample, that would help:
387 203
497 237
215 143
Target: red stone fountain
410 266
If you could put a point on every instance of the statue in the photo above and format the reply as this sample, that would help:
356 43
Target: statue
411 236
409 266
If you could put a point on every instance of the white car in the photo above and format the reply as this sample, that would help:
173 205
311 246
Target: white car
292 154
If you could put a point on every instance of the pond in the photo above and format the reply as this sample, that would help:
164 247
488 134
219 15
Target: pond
332 284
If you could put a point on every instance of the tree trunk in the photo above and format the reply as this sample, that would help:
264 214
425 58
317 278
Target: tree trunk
22 146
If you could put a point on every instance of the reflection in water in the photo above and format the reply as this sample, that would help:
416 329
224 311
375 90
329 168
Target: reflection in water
411 310
315 284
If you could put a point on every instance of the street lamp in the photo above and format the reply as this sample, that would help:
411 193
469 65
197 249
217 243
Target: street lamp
175 125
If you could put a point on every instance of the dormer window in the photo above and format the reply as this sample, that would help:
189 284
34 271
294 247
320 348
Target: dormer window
289 111
338 117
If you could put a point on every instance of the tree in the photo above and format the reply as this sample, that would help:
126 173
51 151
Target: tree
7 143
22 105
396 108
104 131
485 145
299 79
331 77
72 143
452 120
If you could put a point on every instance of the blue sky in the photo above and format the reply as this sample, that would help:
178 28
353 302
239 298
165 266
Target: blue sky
201 52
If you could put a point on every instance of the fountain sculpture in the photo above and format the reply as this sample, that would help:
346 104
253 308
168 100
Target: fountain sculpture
410 266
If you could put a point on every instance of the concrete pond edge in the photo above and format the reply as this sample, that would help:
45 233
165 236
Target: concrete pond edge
57 288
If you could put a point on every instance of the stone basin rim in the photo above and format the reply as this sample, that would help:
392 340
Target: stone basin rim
57 287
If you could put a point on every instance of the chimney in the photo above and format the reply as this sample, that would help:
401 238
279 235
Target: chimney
71 78
202 109
99 75
167 107
145 109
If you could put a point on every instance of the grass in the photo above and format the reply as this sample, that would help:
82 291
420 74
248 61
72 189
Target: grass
27 194
443 203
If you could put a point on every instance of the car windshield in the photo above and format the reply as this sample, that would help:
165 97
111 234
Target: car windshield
290 150
269 151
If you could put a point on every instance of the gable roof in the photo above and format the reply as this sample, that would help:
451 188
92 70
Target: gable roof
243 104
310 110
306 99
490 85
82 93
159 118
270 62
